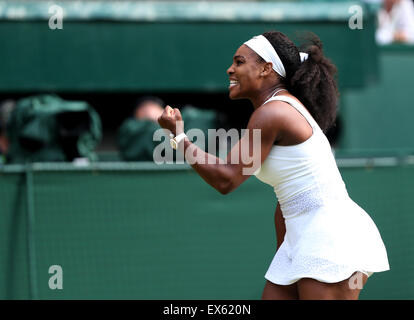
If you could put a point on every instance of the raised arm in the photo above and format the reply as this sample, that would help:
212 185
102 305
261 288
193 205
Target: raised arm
245 157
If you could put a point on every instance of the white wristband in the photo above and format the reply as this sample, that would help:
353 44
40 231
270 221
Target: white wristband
180 137
175 141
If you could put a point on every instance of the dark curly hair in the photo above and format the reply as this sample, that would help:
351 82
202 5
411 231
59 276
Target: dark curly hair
313 81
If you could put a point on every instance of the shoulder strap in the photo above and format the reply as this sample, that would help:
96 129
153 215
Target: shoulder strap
301 109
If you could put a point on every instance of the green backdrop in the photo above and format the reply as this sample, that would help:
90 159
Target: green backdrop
140 231
135 231
166 46
378 118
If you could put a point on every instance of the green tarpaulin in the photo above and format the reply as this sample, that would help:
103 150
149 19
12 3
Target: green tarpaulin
48 128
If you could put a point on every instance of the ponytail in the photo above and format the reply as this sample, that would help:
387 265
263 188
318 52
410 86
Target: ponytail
313 81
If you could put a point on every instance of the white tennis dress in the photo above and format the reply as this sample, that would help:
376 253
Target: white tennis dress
328 236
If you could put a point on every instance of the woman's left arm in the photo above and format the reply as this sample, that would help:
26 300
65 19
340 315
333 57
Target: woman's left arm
243 160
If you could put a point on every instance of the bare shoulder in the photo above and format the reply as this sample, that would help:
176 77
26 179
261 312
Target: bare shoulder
270 118
273 114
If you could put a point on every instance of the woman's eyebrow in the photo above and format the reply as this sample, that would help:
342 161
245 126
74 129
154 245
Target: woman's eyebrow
238 57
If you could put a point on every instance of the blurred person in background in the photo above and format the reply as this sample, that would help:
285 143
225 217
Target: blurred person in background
149 108
135 135
327 245
396 22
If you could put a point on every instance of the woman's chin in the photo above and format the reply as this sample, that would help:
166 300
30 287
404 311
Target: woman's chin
233 95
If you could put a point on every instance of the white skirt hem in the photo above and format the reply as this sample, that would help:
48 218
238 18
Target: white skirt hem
322 278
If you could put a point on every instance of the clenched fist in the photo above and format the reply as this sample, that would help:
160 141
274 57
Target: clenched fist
171 120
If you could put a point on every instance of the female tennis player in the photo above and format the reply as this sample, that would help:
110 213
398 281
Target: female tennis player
327 244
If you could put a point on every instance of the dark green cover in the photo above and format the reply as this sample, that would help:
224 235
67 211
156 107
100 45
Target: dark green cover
48 128
135 139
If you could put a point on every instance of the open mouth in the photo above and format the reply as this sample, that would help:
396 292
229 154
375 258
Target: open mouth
233 83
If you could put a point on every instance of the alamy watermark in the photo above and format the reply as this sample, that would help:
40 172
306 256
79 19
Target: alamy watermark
245 148
356 20
56 280
56 19
356 281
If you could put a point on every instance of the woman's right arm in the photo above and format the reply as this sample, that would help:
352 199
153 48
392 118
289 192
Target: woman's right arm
280 226
246 156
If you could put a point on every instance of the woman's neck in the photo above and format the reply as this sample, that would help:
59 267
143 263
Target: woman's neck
266 95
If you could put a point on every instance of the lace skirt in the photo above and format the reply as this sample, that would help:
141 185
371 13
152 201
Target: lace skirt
327 241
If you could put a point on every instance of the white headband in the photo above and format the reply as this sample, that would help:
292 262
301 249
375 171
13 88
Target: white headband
303 56
263 48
